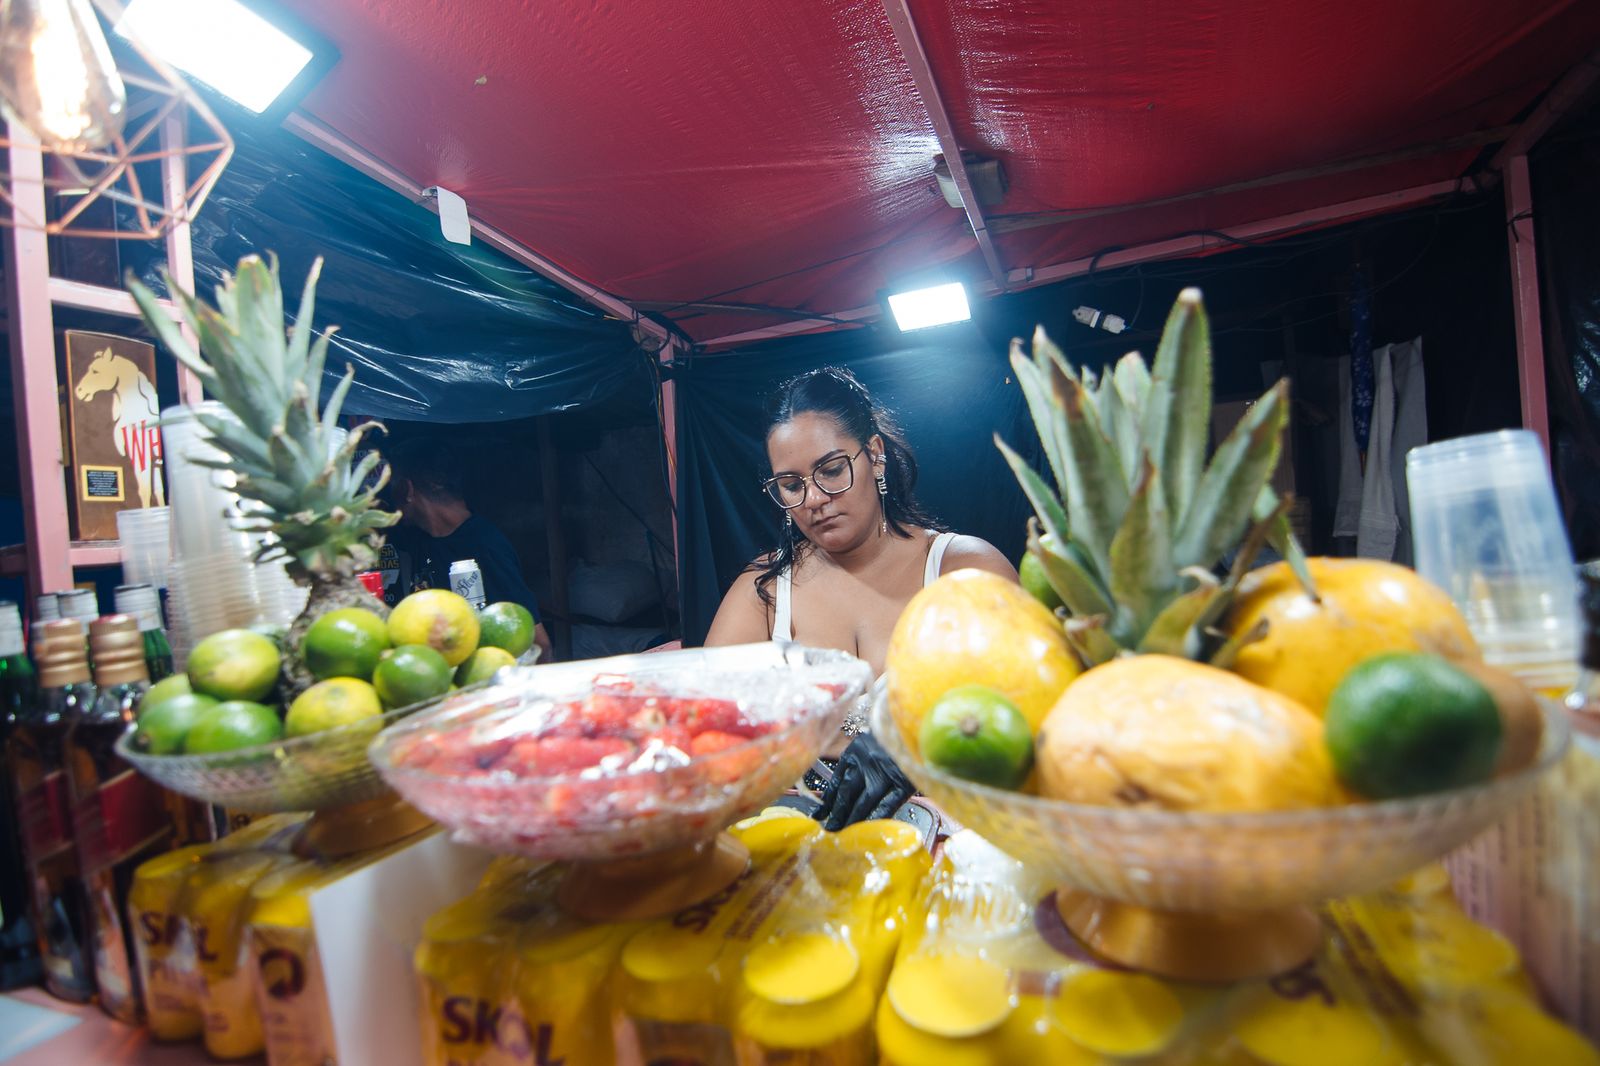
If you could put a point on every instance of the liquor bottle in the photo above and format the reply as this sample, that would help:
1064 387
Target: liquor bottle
81 604
46 608
119 817
19 953
144 603
36 758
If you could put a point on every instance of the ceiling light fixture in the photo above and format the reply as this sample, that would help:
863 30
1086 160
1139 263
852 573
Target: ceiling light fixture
937 305
232 47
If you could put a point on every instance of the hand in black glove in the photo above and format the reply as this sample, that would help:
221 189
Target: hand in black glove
866 784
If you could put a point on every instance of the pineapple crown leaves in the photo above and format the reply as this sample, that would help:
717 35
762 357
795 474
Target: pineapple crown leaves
1142 519
315 500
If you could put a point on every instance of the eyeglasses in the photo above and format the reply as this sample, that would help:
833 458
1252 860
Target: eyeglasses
831 476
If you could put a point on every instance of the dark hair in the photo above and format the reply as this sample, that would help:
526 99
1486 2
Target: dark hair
835 392
428 464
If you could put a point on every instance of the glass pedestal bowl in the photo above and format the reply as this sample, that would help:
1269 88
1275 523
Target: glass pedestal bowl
643 829
1215 897
327 772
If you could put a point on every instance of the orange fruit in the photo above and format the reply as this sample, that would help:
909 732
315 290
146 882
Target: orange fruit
438 618
1366 608
975 628
1159 732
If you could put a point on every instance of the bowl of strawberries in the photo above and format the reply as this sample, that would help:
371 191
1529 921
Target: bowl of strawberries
629 768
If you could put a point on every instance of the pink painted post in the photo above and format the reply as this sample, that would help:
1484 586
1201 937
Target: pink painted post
180 255
33 371
1525 294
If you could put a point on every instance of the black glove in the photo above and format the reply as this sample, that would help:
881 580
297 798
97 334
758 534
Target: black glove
866 784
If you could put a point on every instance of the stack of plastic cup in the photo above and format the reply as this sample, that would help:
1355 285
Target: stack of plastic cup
146 537
214 582
1487 530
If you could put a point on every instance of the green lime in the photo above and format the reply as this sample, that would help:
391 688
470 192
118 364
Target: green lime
336 702
483 665
163 728
410 674
272 631
233 725
506 625
1031 574
344 643
438 618
1406 724
164 690
235 664
976 733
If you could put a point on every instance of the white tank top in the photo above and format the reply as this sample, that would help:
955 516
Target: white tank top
783 615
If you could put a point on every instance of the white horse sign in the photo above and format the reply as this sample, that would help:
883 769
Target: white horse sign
116 445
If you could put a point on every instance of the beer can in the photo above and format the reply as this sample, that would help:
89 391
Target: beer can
466 581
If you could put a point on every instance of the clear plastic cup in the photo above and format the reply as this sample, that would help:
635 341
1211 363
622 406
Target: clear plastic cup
146 539
1487 530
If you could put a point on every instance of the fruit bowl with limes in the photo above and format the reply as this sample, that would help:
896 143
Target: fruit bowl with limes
1205 895
629 767
218 733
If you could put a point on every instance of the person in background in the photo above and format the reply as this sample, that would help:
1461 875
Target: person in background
437 528
855 548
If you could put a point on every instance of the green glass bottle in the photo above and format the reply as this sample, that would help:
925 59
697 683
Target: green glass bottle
19 954
144 603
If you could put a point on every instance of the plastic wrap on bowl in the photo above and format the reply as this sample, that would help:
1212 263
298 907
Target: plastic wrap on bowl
610 758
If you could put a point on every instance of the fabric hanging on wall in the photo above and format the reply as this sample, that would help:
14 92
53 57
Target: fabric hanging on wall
1374 506
951 394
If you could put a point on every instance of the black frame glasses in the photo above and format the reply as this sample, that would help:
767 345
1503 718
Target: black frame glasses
775 493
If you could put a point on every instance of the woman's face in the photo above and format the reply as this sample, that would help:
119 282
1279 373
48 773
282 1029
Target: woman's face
834 523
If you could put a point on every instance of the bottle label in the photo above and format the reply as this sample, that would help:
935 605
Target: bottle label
118 820
43 812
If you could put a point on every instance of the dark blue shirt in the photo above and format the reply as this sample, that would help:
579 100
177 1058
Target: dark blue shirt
419 561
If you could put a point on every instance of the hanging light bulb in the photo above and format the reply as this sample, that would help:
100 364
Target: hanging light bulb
57 76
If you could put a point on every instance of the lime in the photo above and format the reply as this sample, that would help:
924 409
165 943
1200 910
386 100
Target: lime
164 690
976 733
344 643
506 625
233 725
338 701
482 665
1031 574
439 619
234 664
163 728
410 674
1405 724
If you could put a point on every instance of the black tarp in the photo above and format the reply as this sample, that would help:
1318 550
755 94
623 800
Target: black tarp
1565 168
437 332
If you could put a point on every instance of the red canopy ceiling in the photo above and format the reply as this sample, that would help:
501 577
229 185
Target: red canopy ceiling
778 153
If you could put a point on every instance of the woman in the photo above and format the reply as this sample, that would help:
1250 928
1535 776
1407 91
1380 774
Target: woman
855 548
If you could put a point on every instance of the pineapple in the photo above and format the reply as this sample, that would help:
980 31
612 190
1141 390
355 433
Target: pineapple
320 512
1133 542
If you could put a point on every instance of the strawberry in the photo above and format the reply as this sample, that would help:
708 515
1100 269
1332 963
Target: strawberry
702 715
713 741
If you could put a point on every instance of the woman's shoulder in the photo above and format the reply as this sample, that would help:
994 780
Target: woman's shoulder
966 552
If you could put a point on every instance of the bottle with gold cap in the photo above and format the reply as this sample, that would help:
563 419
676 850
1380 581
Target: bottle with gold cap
36 760
119 818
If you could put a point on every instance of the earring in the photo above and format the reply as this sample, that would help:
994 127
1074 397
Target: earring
883 500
